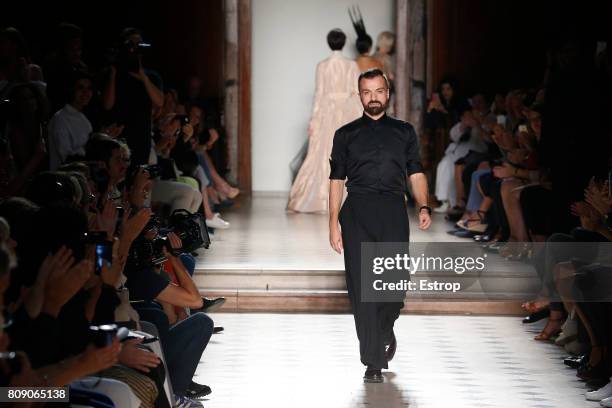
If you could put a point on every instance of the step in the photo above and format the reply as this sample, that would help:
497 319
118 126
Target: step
303 301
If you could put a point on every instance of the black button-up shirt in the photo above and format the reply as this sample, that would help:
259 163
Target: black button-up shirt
375 156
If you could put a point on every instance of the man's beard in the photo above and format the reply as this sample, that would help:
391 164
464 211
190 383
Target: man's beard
375 108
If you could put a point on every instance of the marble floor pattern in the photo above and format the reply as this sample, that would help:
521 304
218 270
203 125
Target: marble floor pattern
312 360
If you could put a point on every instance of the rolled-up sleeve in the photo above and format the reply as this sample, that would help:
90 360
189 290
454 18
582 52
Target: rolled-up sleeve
413 157
338 157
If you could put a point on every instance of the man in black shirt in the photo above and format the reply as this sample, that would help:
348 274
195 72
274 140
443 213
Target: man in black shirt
376 154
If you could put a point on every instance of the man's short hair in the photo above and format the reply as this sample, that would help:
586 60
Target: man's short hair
372 73
363 44
336 39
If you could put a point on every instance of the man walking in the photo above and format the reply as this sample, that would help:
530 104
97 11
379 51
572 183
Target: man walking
376 154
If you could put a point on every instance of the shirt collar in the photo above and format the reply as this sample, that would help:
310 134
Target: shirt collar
369 121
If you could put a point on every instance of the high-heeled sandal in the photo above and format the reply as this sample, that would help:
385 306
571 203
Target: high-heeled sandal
548 331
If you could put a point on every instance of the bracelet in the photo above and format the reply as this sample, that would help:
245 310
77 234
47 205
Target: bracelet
426 207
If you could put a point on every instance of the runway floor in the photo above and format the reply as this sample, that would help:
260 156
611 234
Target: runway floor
312 360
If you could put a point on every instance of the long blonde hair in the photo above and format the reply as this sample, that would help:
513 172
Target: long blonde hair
385 42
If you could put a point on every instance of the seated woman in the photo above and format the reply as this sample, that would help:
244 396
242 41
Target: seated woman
465 137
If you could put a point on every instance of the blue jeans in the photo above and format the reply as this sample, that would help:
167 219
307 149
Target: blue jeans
204 165
475 198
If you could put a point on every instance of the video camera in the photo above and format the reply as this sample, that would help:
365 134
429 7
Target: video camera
147 250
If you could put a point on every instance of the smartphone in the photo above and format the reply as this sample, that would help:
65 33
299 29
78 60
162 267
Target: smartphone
103 248
522 128
104 256
501 120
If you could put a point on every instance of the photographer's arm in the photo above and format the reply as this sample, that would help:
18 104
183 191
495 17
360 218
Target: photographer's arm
157 96
186 293
88 362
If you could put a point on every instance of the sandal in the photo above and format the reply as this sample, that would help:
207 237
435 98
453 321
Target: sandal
552 328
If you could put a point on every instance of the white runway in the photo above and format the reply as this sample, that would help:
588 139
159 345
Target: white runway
309 360
312 360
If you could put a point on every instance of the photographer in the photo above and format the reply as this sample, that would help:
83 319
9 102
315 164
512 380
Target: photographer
131 92
183 343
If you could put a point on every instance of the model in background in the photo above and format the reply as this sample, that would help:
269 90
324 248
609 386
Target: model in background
336 103
363 43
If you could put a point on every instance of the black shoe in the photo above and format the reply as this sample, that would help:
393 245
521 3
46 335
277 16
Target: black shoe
575 362
210 305
464 234
373 375
217 329
536 316
391 348
195 390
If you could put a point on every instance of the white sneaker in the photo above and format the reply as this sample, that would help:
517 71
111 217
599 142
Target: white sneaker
441 209
217 222
607 402
600 394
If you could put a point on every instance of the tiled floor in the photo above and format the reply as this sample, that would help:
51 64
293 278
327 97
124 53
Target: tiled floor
288 360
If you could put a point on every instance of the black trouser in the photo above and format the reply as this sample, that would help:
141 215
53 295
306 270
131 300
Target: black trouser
371 218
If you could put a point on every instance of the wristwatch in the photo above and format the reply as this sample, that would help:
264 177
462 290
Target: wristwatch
428 208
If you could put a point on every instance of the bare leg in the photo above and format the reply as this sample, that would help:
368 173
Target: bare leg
512 206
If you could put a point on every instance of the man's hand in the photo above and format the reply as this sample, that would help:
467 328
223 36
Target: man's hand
137 358
335 238
96 359
424 219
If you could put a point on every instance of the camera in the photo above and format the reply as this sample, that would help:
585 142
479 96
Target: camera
127 55
147 250
103 335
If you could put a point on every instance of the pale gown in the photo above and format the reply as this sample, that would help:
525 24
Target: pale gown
336 103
